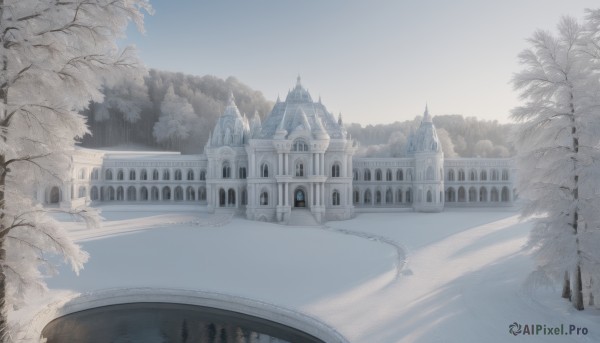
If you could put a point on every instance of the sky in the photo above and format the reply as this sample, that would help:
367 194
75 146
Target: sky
374 61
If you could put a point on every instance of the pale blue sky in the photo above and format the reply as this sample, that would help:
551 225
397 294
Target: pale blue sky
375 61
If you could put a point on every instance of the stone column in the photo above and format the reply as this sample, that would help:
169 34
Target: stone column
286 166
286 190
322 163
280 162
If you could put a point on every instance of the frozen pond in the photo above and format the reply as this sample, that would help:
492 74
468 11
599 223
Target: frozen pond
163 322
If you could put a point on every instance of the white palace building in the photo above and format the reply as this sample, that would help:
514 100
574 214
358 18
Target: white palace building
299 158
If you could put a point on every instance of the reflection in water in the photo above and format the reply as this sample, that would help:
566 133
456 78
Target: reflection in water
168 323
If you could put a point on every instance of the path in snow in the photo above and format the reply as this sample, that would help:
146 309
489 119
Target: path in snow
467 287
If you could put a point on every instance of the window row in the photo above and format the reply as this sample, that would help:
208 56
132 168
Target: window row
379 197
144 174
401 175
479 195
166 193
474 175
300 170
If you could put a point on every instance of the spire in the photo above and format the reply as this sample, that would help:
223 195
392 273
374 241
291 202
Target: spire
426 116
298 83
278 99
340 119
231 100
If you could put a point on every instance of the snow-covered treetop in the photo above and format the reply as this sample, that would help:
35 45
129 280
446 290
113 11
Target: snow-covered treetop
425 139
299 111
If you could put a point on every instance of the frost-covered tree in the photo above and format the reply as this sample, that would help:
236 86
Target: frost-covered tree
176 120
54 57
558 140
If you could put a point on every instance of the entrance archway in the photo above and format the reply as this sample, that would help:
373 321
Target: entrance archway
54 195
299 198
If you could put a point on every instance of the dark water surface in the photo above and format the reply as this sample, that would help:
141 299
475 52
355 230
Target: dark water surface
167 323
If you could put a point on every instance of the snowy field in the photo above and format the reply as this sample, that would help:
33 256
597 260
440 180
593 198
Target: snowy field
456 276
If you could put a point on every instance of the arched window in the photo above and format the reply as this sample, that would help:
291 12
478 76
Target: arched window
355 175
166 174
143 175
243 173
202 175
505 196
429 197
111 193
95 174
494 176
378 197
472 194
108 174
367 197
494 195
429 174
131 174
202 194
120 193
399 196
131 194
81 175
190 174
222 200
409 195
231 197
177 174
483 175
378 175
299 169
409 174
356 197
264 198
461 175
483 194
264 170
367 175
389 197
244 198
144 194
190 194
155 174
335 197
154 193
399 175
504 174
120 175
335 170
81 192
226 170
94 193
473 175
451 175
166 193
178 193
462 196
300 145
450 195
388 175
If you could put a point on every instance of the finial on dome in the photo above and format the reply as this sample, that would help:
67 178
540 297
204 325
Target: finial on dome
426 116
298 83
340 119
231 100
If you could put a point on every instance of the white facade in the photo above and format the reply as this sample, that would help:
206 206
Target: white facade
300 158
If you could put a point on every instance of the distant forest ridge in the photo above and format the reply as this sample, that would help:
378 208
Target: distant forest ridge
175 111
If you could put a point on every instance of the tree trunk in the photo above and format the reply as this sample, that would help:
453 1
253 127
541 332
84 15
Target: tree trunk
577 297
578 290
566 291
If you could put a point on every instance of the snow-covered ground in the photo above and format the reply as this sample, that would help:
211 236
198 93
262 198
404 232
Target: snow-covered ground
456 276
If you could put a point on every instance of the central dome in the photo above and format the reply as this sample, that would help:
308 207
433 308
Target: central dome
299 111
